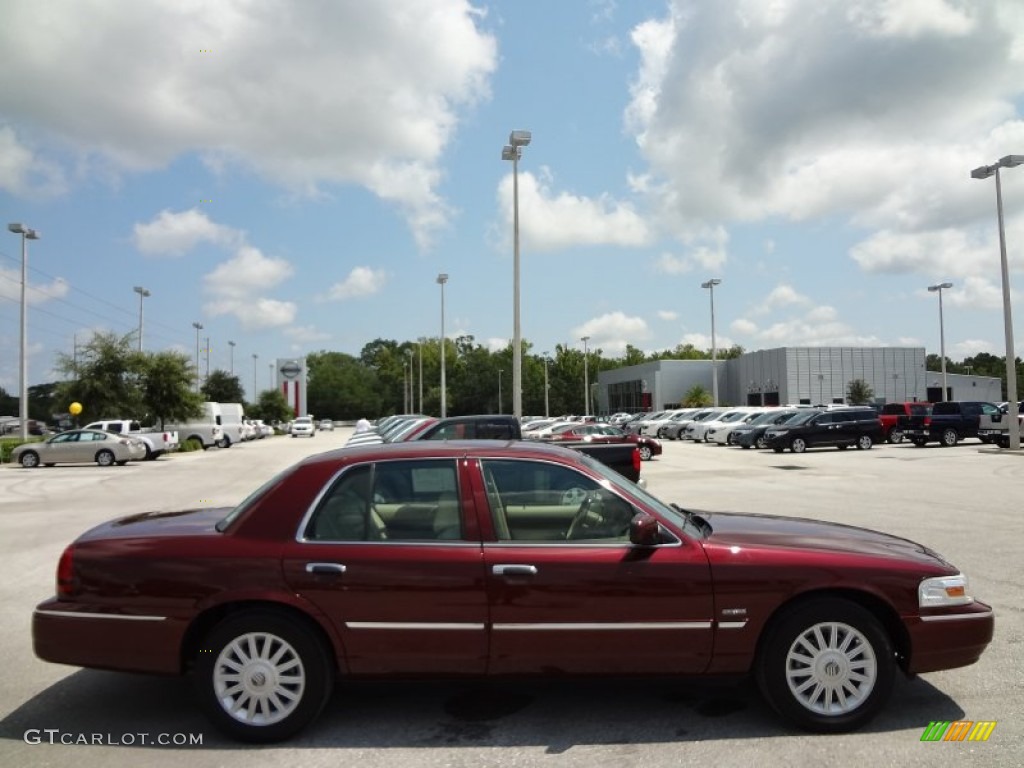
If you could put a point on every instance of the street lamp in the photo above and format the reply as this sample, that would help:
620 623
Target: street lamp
27 233
441 280
255 385
499 390
232 345
143 293
710 285
419 348
1010 161
547 409
937 288
513 151
198 326
586 378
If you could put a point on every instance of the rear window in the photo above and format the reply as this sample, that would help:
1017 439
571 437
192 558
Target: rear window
945 409
920 410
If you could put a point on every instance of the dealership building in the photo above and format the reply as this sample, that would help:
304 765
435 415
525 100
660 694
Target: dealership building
789 376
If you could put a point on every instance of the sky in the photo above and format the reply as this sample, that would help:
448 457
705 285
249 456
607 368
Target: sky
294 176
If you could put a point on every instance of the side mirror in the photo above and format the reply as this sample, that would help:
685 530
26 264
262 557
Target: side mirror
644 530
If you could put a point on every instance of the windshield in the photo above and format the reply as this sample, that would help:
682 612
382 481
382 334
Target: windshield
802 417
632 489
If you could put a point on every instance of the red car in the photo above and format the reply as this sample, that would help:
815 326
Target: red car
604 433
485 558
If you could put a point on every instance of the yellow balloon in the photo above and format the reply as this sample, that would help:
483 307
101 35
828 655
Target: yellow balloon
75 408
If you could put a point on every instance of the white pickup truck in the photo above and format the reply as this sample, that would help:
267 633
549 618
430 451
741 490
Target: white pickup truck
157 442
996 429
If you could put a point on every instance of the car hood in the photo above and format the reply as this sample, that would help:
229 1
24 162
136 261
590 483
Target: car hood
186 522
738 532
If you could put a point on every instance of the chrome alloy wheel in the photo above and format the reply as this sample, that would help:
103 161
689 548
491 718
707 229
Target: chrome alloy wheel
259 679
831 668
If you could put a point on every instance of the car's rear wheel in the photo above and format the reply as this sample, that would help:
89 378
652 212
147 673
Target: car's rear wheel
826 665
262 677
105 458
864 442
895 435
798 445
645 452
29 459
950 437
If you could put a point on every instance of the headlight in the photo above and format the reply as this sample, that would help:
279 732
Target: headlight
776 432
943 591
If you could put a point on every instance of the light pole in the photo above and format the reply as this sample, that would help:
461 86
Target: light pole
586 378
143 293
547 408
207 350
408 364
270 375
1010 161
937 288
198 326
499 390
255 386
513 151
710 285
231 344
27 233
419 348
441 280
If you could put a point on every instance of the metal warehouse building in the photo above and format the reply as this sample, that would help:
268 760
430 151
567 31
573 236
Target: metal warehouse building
789 375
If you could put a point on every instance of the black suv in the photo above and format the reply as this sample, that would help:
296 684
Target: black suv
839 427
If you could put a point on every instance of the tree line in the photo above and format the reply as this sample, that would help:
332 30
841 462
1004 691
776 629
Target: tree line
110 378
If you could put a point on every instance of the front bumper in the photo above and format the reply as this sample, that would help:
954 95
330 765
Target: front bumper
950 639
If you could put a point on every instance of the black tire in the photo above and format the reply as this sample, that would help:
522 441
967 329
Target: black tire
918 442
761 442
798 445
149 453
950 437
292 655
864 443
846 650
105 458
29 459
122 463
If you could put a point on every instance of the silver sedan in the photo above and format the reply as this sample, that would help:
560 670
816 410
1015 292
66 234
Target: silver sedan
80 446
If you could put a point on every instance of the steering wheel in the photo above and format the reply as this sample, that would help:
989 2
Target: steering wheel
574 495
579 521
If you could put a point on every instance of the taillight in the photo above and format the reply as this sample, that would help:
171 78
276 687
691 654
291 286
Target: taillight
636 460
927 421
66 586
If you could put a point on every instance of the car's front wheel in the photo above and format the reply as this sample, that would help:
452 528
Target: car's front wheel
827 665
645 452
262 677
798 445
864 442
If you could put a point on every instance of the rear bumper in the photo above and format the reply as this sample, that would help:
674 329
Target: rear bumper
950 640
68 633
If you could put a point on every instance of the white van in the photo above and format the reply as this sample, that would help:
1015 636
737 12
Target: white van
230 417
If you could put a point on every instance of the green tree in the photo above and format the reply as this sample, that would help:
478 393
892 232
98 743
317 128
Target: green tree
105 378
271 406
696 397
341 386
859 392
167 391
223 387
8 403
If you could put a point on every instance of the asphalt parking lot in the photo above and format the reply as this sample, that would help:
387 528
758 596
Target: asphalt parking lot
965 502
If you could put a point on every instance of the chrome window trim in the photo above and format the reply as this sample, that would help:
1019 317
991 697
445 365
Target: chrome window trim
86 615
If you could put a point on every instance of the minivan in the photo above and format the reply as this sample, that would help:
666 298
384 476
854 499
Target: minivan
839 427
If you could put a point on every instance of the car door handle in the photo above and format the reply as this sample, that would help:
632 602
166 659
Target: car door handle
514 570
325 569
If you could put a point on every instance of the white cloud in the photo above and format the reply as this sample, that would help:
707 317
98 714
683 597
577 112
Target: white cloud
25 175
611 332
361 281
744 327
668 314
707 249
174 234
234 288
35 293
300 93
496 344
305 334
550 221
750 110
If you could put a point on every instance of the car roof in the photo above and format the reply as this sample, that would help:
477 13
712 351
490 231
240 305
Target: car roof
445 449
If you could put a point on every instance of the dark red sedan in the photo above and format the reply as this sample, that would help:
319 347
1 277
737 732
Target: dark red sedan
604 433
480 558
